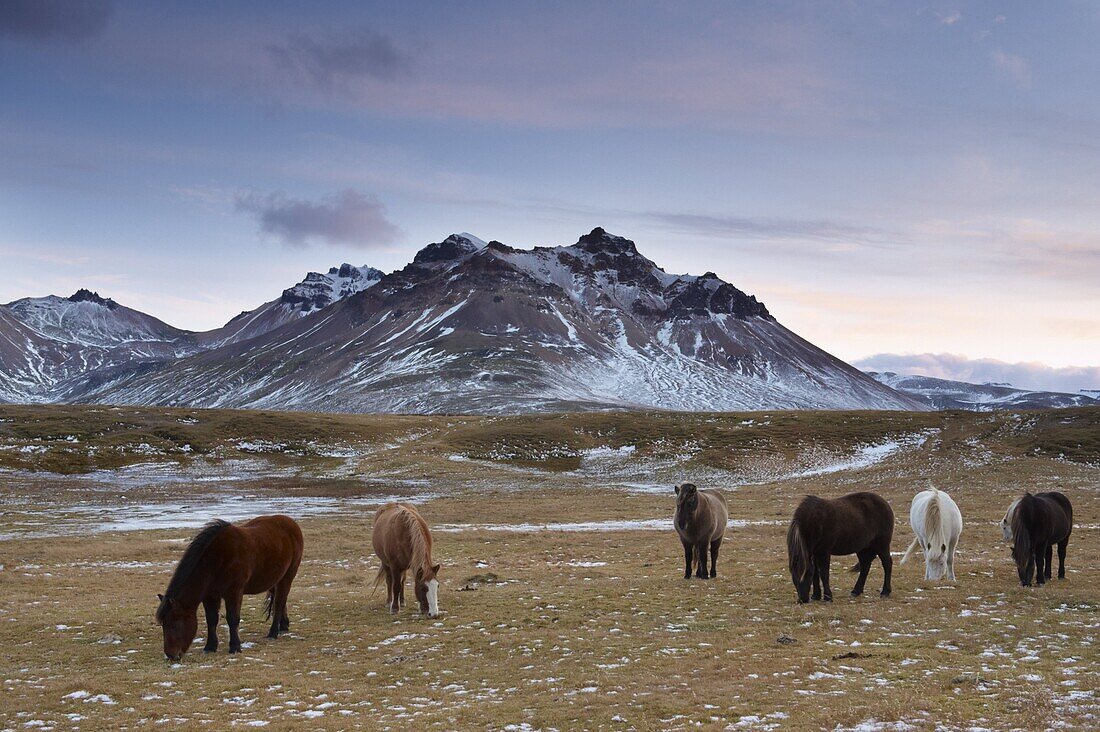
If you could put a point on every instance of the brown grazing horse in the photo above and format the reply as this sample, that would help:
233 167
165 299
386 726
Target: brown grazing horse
859 523
402 541
225 562
1039 522
701 518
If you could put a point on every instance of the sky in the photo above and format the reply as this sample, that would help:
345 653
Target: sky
889 178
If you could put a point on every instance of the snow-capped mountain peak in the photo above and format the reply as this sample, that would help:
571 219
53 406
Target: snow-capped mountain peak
321 290
455 246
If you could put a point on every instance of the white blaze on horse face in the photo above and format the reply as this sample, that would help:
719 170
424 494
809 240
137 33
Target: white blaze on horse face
433 598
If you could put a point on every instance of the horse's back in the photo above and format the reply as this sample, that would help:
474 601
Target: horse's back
392 535
860 520
1060 511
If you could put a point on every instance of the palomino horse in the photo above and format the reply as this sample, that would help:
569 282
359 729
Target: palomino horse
225 562
402 541
859 523
1039 522
701 518
937 522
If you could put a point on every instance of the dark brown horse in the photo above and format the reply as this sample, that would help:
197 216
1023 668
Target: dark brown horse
859 523
1039 522
225 562
701 517
402 541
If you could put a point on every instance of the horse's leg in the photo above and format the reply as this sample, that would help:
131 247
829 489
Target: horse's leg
1040 574
688 549
1062 545
822 562
714 545
233 617
401 589
888 570
389 585
286 582
701 566
951 562
816 594
276 615
865 558
394 580
1048 560
210 605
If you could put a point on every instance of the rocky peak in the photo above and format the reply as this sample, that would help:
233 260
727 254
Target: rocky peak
599 241
453 247
83 295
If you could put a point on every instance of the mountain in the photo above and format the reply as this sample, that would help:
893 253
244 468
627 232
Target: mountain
316 291
946 394
57 349
475 327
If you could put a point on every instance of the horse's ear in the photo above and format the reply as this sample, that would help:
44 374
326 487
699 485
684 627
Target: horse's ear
160 597
435 569
677 489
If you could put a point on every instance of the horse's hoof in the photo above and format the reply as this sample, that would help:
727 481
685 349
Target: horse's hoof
234 650
273 636
884 594
828 598
856 594
209 650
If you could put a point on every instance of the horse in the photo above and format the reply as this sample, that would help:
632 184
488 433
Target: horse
402 541
937 522
701 517
858 523
225 562
1006 522
1039 522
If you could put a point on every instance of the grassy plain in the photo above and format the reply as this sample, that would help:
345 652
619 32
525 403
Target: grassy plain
544 628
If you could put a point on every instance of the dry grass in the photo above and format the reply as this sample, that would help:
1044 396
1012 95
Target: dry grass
593 629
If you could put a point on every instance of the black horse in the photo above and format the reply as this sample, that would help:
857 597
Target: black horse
859 523
1039 522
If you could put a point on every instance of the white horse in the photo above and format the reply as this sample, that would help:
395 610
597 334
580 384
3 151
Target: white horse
1006 522
937 522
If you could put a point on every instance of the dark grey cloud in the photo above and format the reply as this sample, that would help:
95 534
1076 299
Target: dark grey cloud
1022 375
54 20
346 218
361 53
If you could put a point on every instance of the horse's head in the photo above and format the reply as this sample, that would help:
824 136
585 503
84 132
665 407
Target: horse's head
179 627
687 497
427 590
935 560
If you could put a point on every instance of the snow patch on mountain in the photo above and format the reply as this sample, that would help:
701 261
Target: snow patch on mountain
947 394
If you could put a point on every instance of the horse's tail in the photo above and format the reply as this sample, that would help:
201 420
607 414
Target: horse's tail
798 552
269 604
909 551
377 580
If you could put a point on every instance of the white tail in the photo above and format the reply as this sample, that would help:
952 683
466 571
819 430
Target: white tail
909 552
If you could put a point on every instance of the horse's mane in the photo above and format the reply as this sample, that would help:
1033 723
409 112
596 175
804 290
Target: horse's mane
932 520
190 561
1021 546
418 535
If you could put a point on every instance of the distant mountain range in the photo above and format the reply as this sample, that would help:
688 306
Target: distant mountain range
467 326
945 394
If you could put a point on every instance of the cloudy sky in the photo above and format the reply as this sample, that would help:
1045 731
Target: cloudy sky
890 178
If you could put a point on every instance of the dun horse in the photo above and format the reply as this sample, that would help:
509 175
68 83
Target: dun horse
224 563
937 522
402 541
1039 522
701 518
859 523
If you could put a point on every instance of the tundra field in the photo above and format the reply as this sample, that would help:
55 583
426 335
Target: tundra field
564 606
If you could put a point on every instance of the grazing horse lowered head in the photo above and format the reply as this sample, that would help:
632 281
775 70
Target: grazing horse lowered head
701 517
402 541
223 563
859 523
1039 522
937 522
